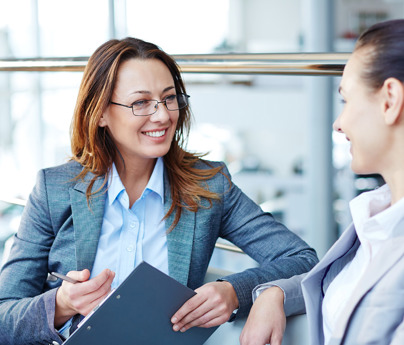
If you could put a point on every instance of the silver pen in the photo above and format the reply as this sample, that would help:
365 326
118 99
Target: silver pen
63 277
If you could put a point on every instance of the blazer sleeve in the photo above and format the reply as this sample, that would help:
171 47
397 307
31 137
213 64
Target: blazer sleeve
293 295
27 302
280 252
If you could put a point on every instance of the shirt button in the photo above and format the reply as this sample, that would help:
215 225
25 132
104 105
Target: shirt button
133 224
129 249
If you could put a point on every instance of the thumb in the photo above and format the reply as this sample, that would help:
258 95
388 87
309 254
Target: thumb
81 276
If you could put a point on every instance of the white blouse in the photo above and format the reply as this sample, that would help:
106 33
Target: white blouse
375 221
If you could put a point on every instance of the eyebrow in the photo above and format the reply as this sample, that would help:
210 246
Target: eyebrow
148 92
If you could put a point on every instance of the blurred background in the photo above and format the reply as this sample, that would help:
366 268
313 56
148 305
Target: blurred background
273 131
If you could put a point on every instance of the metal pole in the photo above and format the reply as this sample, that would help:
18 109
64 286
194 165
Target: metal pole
283 64
319 37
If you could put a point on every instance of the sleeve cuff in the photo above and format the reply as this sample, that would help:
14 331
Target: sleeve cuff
64 331
259 289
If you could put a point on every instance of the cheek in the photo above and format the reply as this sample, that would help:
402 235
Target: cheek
353 120
174 120
367 153
126 129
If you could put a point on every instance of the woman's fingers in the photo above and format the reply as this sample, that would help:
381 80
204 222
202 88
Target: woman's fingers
211 306
81 297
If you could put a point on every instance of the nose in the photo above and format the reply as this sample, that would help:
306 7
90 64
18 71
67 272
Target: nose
336 125
161 113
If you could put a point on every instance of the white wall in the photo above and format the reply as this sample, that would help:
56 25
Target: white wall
265 25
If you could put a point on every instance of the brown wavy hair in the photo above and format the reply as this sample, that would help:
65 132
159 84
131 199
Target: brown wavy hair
93 147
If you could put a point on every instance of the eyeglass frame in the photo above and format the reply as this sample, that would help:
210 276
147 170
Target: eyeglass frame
157 104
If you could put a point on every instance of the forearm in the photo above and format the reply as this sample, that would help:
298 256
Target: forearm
279 252
279 270
28 320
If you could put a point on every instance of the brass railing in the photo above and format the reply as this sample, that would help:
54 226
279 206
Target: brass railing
285 64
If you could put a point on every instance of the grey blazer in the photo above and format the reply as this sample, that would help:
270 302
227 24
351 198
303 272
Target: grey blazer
375 312
59 232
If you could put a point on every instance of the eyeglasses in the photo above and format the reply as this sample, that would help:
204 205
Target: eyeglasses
149 106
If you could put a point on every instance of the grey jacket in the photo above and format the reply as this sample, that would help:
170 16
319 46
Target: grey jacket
375 312
58 232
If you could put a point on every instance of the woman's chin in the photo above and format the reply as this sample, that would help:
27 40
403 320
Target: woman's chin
360 169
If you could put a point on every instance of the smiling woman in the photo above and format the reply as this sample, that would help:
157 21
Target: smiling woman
360 120
96 143
355 294
146 132
131 193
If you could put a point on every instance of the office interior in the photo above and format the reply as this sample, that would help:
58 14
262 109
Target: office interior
274 131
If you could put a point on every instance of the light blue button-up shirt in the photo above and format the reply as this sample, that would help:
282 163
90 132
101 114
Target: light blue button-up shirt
130 235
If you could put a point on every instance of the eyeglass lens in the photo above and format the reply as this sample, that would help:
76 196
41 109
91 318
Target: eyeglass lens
148 107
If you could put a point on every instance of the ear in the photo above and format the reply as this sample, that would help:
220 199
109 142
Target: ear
103 120
393 100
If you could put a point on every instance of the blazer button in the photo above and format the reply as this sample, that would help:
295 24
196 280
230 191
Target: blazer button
54 343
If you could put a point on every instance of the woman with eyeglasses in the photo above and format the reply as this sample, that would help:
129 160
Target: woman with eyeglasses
131 192
355 295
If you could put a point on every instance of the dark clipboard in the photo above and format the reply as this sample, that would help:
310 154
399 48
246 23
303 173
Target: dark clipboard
139 312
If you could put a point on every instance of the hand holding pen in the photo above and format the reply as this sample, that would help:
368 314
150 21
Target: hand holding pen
65 278
79 294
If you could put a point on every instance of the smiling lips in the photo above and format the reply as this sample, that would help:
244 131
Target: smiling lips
155 134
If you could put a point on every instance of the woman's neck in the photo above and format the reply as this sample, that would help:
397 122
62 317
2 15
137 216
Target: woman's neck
395 182
135 176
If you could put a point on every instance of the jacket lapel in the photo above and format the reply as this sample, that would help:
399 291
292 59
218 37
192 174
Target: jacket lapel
339 249
87 221
179 240
388 255
312 284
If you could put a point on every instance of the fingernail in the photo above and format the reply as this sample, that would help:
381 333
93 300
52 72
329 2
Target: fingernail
174 320
183 330
175 328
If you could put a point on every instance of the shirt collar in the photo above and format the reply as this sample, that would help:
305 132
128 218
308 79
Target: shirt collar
115 185
390 217
373 216
155 184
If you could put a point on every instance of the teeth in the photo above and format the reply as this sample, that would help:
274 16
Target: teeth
155 134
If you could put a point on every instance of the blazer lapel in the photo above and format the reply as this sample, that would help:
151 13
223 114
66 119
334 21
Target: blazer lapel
339 249
388 255
312 284
179 240
87 221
